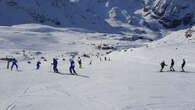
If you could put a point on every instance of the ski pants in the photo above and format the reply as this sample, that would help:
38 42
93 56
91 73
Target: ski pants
38 66
55 69
14 64
72 70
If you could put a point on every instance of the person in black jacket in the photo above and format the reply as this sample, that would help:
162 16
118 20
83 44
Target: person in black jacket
172 64
55 64
38 65
162 66
80 62
182 65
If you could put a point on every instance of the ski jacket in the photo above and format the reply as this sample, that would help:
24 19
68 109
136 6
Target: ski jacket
72 63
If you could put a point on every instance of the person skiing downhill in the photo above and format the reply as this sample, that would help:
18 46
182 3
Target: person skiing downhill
105 58
14 63
38 65
182 65
72 67
172 64
162 66
55 64
80 62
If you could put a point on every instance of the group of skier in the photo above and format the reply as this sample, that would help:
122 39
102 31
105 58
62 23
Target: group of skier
72 65
13 61
71 68
163 64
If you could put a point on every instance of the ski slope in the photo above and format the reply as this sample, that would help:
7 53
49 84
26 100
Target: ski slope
130 81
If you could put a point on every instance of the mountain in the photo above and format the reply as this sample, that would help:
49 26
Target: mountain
171 13
95 14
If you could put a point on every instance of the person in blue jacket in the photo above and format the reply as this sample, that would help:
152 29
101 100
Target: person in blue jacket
14 63
72 67
38 65
55 64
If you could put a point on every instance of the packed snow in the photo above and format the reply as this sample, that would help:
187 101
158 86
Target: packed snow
129 81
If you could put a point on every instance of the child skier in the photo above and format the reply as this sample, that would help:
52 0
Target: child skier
55 64
72 67
14 63
80 62
38 65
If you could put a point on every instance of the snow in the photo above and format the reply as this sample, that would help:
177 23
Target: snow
130 81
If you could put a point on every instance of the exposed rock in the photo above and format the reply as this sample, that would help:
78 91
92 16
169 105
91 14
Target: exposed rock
172 13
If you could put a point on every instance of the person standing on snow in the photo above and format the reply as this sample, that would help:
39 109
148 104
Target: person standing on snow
80 62
105 58
55 64
162 66
14 63
72 67
172 64
38 65
182 65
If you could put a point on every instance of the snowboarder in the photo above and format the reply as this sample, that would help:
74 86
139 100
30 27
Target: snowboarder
172 64
14 63
38 65
162 66
55 64
72 67
182 65
80 62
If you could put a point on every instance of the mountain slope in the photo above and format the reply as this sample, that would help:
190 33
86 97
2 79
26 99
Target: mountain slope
130 81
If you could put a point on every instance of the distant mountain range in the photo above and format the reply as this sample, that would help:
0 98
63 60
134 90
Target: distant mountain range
99 15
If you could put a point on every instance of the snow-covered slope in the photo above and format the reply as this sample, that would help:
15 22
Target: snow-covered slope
130 81
35 37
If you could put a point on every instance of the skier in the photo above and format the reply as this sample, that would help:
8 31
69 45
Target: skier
162 66
72 67
14 63
55 64
182 65
80 62
105 58
90 63
188 33
8 61
172 64
38 65
109 59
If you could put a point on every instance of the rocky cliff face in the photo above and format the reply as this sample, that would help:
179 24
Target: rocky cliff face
172 13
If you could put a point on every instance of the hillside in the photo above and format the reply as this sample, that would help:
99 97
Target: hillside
130 81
